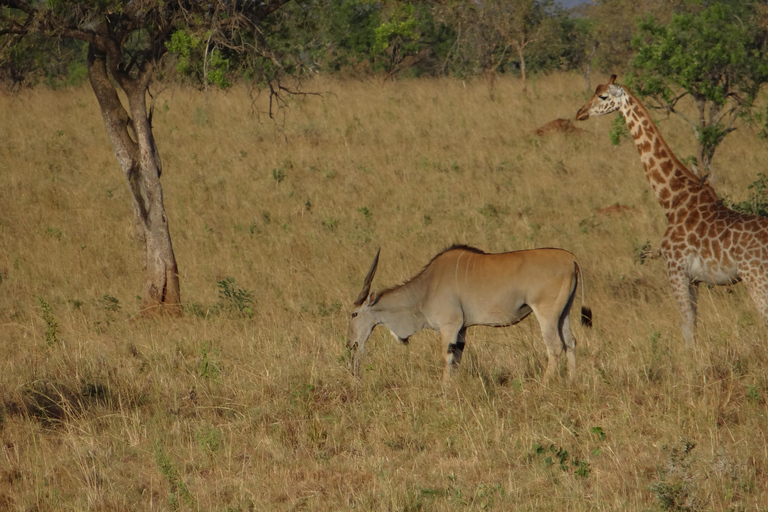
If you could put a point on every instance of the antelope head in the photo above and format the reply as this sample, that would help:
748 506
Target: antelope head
362 320
607 99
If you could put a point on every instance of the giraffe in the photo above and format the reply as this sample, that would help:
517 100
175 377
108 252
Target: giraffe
705 242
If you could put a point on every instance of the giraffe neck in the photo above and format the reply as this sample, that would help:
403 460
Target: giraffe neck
673 183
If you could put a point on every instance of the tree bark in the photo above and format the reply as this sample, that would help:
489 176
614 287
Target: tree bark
134 146
586 69
521 56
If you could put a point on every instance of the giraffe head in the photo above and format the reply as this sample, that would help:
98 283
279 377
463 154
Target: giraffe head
607 99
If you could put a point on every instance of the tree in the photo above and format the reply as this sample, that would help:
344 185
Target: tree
126 43
39 59
489 32
612 24
718 57
583 45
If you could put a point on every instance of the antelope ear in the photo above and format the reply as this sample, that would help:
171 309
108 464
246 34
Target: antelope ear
372 298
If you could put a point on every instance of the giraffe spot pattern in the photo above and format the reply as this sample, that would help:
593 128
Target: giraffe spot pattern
656 146
701 230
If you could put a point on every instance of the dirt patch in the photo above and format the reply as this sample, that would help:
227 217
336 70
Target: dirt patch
559 125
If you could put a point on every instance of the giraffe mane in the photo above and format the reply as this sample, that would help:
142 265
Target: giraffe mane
688 174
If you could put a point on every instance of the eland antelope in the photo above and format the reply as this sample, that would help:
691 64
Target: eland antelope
463 286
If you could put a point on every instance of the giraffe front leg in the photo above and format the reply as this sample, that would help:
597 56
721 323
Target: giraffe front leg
686 295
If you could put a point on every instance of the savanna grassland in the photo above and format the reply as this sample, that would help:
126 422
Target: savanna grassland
246 403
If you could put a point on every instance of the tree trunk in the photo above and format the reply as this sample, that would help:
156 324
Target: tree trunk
134 146
521 56
704 156
586 70
705 149
490 81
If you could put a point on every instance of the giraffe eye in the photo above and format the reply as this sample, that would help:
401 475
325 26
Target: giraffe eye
603 96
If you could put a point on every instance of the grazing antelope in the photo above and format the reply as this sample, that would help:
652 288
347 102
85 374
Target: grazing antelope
463 286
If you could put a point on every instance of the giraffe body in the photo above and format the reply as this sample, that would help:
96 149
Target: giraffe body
705 241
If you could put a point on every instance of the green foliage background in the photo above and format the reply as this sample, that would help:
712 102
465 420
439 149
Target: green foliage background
677 40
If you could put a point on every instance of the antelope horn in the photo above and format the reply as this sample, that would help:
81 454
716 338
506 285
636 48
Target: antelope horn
367 283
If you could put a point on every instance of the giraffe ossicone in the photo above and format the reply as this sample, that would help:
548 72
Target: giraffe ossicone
705 242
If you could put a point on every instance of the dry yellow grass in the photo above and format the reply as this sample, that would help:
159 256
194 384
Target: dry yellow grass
219 411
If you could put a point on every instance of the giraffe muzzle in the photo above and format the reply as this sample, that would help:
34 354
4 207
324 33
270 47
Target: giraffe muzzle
582 114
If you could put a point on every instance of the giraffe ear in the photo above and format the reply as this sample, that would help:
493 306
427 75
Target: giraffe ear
613 78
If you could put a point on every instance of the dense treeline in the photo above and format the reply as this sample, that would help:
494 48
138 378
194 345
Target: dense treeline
366 37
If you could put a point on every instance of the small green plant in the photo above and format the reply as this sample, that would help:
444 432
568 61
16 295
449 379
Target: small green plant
110 303
598 431
557 456
171 474
51 325
209 439
345 357
330 224
753 395
583 469
278 175
235 299
492 211
671 496
676 489
585 225
209 368
486 495
54 233
560 457
199 310
367 215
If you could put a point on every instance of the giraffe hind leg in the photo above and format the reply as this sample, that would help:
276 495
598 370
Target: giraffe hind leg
758 290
